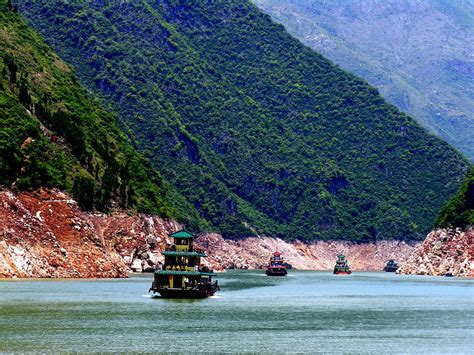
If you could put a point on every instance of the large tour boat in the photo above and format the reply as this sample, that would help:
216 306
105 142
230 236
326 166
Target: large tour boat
276 266
342 266
391 266
182 276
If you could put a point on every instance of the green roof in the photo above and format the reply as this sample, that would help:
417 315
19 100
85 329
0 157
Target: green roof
184 273
183 253
182 234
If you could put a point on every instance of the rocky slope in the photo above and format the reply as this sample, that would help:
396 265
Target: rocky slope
445 251
45 234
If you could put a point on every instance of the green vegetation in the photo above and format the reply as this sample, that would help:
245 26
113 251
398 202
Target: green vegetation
459 211
52 134
417 53
259 133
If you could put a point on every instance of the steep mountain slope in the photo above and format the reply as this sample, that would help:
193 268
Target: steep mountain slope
52 134
260 133
417 53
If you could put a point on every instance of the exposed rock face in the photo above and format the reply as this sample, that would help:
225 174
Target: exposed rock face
444 251
45 234
254 253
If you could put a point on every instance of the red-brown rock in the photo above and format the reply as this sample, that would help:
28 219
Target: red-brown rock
45 234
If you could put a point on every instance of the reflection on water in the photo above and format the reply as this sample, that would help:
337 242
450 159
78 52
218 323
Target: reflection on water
305 312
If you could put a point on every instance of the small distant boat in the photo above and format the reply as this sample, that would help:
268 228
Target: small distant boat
342 266
276 266
182 275
391 266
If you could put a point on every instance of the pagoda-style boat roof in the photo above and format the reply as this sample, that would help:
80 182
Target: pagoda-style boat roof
183 253
184 273
182 234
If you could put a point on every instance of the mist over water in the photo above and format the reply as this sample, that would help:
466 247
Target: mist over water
304 312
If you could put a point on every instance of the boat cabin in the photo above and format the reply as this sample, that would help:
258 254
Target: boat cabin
276 266
182 275
342 266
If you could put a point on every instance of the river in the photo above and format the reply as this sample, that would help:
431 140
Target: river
304 312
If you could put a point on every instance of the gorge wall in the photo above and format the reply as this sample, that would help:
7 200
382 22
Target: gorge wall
45 234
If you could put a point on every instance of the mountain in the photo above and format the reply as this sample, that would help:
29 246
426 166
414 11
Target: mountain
54 134
418 53
261 134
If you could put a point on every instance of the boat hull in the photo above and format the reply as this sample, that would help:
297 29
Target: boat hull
282 272
342 272
184 293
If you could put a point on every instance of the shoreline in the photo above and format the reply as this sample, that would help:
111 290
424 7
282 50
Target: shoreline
355 272
46 240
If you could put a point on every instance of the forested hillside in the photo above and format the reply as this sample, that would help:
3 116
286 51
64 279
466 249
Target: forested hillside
459 211
417 52
258 132
52 134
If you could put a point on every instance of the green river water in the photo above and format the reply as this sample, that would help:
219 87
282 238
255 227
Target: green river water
304 312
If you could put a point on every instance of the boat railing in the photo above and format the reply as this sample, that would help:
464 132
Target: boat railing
179 268
188 268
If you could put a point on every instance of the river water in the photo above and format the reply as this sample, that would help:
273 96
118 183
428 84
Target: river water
303 312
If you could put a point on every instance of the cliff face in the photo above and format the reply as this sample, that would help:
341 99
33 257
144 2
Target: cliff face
45 234
444 251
